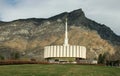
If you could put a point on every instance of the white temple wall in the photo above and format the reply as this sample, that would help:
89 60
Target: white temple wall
65 51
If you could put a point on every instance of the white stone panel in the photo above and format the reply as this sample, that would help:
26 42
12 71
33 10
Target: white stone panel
58 51
45 52
64 51
48 51
61 51
77 51
67 50
55 49
74 51
51 51
80 51
71 51
84 52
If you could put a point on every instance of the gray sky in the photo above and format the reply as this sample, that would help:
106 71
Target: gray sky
102 11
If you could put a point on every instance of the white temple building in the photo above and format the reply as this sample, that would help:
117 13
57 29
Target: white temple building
65 52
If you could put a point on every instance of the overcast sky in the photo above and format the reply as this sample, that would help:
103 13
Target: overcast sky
102 11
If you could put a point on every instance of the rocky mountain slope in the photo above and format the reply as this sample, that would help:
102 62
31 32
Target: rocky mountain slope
29 36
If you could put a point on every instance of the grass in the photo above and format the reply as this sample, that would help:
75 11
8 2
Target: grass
57 70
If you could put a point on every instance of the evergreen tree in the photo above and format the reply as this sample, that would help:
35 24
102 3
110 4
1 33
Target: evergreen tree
2 57
100 59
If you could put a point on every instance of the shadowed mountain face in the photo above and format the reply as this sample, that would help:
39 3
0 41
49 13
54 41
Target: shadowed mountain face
29 36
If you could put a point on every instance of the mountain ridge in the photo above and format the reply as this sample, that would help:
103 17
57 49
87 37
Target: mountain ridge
30 35
76 14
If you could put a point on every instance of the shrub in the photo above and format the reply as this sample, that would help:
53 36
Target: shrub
2 57
15 55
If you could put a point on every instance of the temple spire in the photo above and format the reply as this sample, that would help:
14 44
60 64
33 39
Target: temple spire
66 34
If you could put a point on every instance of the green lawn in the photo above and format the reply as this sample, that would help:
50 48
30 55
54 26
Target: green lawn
58 70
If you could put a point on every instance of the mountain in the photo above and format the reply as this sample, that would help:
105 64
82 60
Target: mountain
27 37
